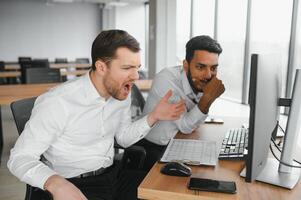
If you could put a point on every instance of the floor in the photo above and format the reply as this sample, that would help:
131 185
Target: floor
12 189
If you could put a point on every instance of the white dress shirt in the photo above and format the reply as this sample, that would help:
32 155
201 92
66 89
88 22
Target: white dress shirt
173 78
73 127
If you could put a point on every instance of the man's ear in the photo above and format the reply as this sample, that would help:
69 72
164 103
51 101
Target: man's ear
185 65
101 67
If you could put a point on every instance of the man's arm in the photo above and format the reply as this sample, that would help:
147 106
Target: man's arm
188 121
212 91
129 133
40 131
192 119
61 189
43 128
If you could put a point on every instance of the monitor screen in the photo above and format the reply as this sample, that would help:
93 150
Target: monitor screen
264 92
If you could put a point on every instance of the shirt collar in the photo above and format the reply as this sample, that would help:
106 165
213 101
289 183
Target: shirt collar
91 92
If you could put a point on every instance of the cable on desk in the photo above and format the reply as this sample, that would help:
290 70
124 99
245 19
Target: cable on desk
286 164
277 146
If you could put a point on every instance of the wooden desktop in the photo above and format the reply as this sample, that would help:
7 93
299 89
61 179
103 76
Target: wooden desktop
157 186
52 65
15 74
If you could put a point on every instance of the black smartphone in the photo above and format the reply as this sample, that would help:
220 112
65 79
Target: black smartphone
212 185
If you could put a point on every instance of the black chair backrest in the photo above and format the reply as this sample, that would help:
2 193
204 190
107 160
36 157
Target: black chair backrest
42 75
24 59
25 62
61 60
82 60
40 63
2 66
142 75
138 102
21 110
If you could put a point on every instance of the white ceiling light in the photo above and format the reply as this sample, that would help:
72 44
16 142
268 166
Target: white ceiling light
117 3
62 1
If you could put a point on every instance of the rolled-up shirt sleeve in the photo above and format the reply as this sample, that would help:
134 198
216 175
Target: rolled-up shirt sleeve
43 128
189 120
129 132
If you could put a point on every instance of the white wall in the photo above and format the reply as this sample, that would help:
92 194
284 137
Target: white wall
40 30
131 18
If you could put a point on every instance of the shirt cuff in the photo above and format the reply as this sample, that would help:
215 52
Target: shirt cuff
196 115
44 174
144 127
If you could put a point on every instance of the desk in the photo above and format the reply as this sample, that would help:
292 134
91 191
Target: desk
162 187
52 65
10 93
9 74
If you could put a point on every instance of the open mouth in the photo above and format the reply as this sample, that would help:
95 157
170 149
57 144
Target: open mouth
127 87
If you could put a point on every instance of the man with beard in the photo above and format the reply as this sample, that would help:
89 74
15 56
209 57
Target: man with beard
74 125
196 83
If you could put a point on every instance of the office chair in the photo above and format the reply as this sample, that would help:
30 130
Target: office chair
24 62
142 75
42 75
40 63
21 111
82 60
131 160
61 60
137 104
24 59
2 66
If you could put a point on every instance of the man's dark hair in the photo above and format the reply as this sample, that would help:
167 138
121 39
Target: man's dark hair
202 42
107 42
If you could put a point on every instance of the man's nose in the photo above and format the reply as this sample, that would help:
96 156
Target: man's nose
208 73
135 75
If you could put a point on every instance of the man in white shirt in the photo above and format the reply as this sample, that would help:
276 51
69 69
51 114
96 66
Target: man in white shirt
74 125
195 82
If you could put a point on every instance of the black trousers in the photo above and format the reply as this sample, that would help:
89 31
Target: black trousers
114 184
154 153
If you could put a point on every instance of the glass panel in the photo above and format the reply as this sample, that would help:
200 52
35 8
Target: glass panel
124 21
297 57
231 32
203 17
270 30
183 28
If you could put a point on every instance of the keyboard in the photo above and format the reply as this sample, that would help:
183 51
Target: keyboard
191 152
235 144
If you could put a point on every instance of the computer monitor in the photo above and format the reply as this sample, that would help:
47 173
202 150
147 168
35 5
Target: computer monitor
264 95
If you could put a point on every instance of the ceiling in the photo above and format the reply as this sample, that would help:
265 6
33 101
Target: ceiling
99 1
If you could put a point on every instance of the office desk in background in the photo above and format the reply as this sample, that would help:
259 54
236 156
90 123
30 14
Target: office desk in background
14 74
52 65
162 187
10 93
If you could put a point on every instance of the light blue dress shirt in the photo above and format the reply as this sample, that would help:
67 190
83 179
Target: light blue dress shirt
173 78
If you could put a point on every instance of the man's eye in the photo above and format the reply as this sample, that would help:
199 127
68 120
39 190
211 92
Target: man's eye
214 68
200 66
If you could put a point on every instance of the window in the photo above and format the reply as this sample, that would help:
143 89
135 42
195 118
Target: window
231 32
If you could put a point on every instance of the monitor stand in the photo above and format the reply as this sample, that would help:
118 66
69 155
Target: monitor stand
271 175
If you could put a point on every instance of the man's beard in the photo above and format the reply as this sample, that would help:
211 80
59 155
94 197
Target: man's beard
112 88
189 77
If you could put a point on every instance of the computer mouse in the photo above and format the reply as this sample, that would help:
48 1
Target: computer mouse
176 169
